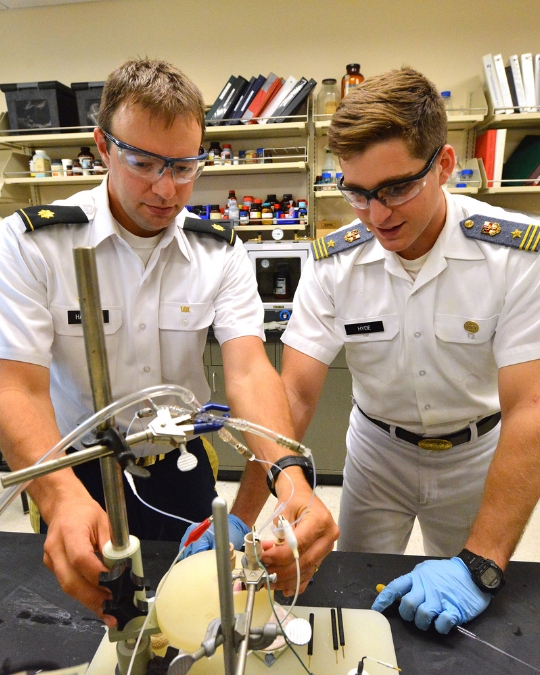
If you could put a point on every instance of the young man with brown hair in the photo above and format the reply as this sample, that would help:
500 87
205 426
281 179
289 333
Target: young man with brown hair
163 282
437 308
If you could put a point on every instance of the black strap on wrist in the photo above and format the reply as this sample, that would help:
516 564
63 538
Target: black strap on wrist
290 460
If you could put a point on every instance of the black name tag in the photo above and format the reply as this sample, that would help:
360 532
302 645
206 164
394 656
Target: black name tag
74 316
359 328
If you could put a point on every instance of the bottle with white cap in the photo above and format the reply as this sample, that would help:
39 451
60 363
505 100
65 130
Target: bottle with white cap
41 164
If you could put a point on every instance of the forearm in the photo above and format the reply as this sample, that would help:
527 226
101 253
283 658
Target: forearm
512 489
27 431
252 493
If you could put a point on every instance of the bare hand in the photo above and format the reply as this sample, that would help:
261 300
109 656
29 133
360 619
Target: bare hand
316 533
78 529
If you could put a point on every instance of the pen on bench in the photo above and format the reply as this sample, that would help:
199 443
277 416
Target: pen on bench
340 629
334 632
310 643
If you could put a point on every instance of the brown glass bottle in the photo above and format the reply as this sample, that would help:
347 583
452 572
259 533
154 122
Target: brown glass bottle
352 78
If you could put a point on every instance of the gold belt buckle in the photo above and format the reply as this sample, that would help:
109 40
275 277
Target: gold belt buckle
435 444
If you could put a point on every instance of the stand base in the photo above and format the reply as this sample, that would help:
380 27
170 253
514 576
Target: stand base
367 633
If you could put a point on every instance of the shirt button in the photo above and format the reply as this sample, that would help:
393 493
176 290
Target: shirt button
427 407
142 326
417 334
422 373
146 369
185 322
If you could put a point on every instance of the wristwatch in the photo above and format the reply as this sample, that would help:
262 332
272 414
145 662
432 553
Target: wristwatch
486 574
283 463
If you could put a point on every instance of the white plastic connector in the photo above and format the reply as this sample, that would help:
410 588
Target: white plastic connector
290 537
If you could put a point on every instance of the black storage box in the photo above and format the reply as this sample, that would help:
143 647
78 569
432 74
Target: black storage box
88 100
40 105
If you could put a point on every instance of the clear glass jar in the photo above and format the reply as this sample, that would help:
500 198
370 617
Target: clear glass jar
328 97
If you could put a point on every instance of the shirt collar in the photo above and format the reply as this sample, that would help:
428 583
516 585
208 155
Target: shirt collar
451 242
105 226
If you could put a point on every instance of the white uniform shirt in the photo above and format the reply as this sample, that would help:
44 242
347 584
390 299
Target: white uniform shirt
158 315
424 371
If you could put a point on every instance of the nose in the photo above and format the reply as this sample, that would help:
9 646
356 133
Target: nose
165 186
378 212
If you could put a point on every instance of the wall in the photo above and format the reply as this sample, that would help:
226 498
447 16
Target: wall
210 39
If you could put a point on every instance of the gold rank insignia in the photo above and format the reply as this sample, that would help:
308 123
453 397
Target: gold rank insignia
493 229
218 227
504 232
185 308
352 235
36 217
340 240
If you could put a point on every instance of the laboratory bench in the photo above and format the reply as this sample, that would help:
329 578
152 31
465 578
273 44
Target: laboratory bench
38 621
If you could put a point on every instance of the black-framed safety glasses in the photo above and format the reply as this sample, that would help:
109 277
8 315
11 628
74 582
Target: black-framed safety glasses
390 194
151 167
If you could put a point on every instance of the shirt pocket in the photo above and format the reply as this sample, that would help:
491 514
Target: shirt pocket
68 345
373 353
465 345
182 335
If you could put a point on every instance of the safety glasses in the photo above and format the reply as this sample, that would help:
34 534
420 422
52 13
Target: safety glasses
391 194
151 167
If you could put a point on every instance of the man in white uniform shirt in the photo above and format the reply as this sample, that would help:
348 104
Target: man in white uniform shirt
164 279
435 298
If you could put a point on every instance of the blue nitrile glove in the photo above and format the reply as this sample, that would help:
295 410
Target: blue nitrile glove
435 588
237 531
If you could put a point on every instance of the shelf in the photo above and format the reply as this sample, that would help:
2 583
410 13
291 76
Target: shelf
286 129
268 228
30 141
463 191
50 181
511 190
325 194
245 169
514 121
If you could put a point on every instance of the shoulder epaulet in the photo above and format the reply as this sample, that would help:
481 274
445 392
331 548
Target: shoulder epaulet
505 232
35 217
208 227
341 240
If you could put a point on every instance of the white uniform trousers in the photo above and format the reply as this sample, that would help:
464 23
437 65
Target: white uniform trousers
388 482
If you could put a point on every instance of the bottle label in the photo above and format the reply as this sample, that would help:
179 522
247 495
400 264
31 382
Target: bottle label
281 286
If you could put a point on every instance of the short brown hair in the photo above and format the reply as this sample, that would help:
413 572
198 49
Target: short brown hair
156 85
399 104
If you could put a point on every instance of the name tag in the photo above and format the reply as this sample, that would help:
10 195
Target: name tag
370 327
74 316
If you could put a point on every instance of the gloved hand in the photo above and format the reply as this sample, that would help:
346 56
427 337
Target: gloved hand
237 531
435 588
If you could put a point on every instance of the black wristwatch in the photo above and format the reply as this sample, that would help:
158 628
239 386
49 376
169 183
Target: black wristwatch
283 463
486 574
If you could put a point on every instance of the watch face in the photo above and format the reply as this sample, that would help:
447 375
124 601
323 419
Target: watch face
490 577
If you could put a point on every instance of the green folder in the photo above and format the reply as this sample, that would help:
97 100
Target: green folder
523 161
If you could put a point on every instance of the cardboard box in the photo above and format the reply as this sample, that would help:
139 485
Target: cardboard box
88 101
42 106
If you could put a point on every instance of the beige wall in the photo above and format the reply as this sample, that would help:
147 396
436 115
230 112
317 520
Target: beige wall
210 39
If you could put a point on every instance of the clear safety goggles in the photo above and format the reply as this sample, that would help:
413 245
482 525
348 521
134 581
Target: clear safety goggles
391 194
151 167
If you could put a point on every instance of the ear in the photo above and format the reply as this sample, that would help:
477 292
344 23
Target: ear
446 162
102 146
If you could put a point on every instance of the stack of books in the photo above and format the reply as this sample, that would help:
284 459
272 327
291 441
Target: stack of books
514 87
261 100
522 168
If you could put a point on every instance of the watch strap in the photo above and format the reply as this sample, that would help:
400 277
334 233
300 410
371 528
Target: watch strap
475 563
283 463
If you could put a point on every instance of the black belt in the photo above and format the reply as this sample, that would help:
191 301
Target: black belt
441 442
